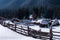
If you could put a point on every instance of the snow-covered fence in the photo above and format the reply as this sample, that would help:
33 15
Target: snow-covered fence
53 34
26 30
20 29
46 35
56 34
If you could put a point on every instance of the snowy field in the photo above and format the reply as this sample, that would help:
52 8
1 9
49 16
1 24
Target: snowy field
7 34
55 28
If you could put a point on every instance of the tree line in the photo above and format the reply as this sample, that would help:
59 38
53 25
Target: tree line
23 13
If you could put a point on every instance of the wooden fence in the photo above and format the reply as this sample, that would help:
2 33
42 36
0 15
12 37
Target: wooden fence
30 32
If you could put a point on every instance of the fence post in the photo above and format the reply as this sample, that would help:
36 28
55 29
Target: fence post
15 27
28 31
21 28
4 23
40 34
51 34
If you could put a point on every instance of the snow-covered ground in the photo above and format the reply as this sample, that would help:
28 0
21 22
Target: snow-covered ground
7 34
10 35
37 28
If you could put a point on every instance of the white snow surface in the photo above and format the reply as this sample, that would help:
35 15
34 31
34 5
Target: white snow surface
7 34
35 27
33 21
59 21
8 21
42 21
31 16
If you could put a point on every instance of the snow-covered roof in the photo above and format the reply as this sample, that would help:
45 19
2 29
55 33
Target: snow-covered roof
33 21
39 20
26 21
8 21
42 21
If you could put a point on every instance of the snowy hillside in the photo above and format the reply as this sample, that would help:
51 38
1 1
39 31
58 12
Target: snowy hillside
7 34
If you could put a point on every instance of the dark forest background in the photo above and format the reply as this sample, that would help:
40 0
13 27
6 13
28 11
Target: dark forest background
35 11
38 8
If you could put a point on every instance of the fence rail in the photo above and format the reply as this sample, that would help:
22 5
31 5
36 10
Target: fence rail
30 32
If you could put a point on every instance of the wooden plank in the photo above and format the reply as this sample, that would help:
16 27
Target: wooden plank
55 32
56 35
